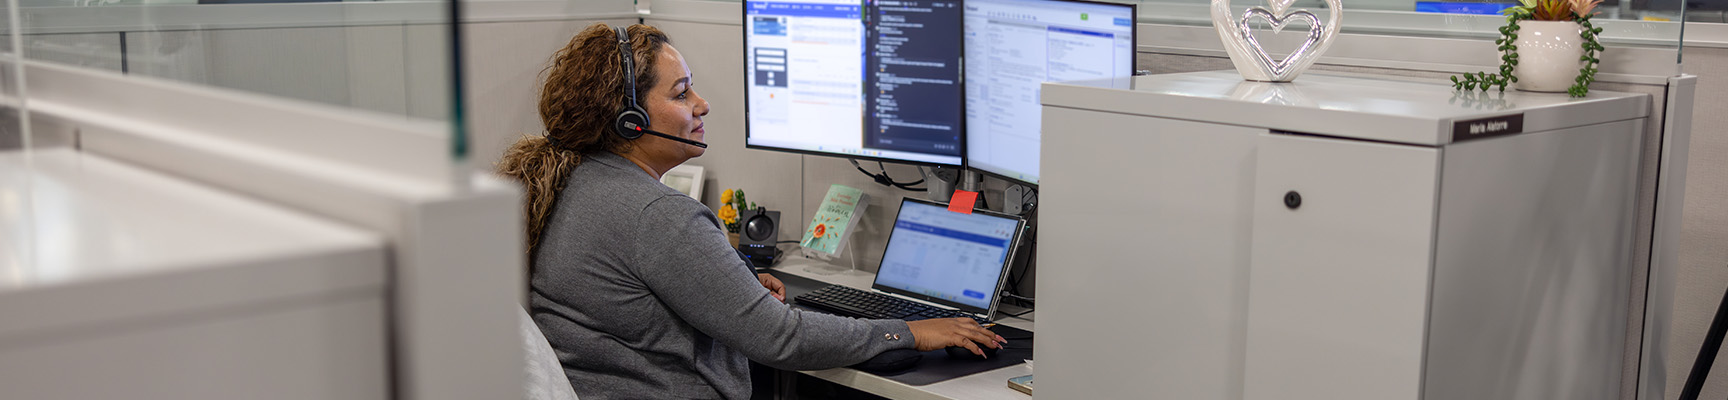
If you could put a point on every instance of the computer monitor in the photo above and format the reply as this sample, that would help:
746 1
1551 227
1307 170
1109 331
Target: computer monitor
949 258
1012 47
1463 7
873 79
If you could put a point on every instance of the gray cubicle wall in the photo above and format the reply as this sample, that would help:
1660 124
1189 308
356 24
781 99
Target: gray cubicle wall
1704 234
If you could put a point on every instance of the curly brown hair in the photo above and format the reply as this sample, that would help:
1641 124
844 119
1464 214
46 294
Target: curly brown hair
584 92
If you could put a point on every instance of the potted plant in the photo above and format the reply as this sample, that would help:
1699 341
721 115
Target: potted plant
730 202
1546 46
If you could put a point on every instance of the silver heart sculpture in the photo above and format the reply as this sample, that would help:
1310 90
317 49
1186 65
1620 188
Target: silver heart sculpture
1252 60
1270 93
1260 54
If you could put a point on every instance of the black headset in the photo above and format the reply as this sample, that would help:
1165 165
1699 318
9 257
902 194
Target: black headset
632 121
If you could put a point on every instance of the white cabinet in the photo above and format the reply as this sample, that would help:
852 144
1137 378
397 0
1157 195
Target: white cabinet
1339 237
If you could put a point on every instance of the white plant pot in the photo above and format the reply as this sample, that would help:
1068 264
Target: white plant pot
1548 55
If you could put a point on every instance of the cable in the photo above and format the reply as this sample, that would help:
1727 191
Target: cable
1707 352
1031 262
786 241
884 169
883 179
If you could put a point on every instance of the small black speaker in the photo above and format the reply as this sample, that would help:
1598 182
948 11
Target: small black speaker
758 231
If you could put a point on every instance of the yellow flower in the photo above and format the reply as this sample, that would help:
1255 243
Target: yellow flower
726 197
727 214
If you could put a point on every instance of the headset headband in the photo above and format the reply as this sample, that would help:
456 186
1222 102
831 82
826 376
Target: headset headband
629 65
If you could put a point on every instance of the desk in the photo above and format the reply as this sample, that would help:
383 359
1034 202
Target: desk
991 384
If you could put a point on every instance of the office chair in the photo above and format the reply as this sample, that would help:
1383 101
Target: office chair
543 376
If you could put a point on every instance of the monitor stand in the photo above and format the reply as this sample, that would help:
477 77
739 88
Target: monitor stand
940 182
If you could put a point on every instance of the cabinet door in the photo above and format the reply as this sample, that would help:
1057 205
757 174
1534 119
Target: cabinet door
1143 257
1338 282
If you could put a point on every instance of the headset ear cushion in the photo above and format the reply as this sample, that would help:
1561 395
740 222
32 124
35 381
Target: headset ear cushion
627 118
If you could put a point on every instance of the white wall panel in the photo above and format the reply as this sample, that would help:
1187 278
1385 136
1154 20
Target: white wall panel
297 63
90 50
175 55
506 65
426 51
377 70
366 67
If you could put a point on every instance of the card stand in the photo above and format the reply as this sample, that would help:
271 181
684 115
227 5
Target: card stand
831 263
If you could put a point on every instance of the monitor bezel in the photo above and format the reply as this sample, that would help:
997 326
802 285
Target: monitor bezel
745 40
1133 65
1001 280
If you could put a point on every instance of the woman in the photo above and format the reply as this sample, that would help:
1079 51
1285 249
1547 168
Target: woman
634 283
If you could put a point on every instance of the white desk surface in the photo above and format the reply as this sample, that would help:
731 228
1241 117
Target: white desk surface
991 384
85 240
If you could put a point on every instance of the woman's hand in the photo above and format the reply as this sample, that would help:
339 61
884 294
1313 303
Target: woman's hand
932 334
774 286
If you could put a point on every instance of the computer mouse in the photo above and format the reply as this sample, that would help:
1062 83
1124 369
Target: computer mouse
961 353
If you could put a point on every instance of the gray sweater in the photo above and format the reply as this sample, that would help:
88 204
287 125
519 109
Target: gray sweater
641 297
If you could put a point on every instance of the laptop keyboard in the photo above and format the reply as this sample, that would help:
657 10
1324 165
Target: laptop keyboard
851 302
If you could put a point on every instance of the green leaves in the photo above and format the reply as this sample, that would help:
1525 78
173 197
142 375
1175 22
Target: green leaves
1509 52
1484 80
1586 74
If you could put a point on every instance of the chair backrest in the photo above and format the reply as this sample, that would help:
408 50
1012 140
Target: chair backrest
543 376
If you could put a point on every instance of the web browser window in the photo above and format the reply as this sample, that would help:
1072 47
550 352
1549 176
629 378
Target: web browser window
947 255
1012 47
806 67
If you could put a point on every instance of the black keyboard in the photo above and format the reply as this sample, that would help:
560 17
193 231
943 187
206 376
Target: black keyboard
851 302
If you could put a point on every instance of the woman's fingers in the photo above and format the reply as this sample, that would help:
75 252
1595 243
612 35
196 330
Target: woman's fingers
774 286
956 332
975 333
972 347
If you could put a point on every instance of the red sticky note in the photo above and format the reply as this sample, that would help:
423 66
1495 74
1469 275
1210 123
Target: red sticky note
962 201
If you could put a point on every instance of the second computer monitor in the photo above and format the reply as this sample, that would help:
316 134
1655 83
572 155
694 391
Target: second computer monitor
1013 47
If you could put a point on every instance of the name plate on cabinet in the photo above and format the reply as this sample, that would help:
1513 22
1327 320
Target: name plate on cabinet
1483 128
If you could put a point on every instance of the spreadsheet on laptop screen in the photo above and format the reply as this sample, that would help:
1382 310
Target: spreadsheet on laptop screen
947 255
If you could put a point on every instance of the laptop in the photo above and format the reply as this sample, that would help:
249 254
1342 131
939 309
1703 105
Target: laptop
938 259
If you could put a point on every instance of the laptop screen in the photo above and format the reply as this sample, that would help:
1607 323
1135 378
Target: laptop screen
949 258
